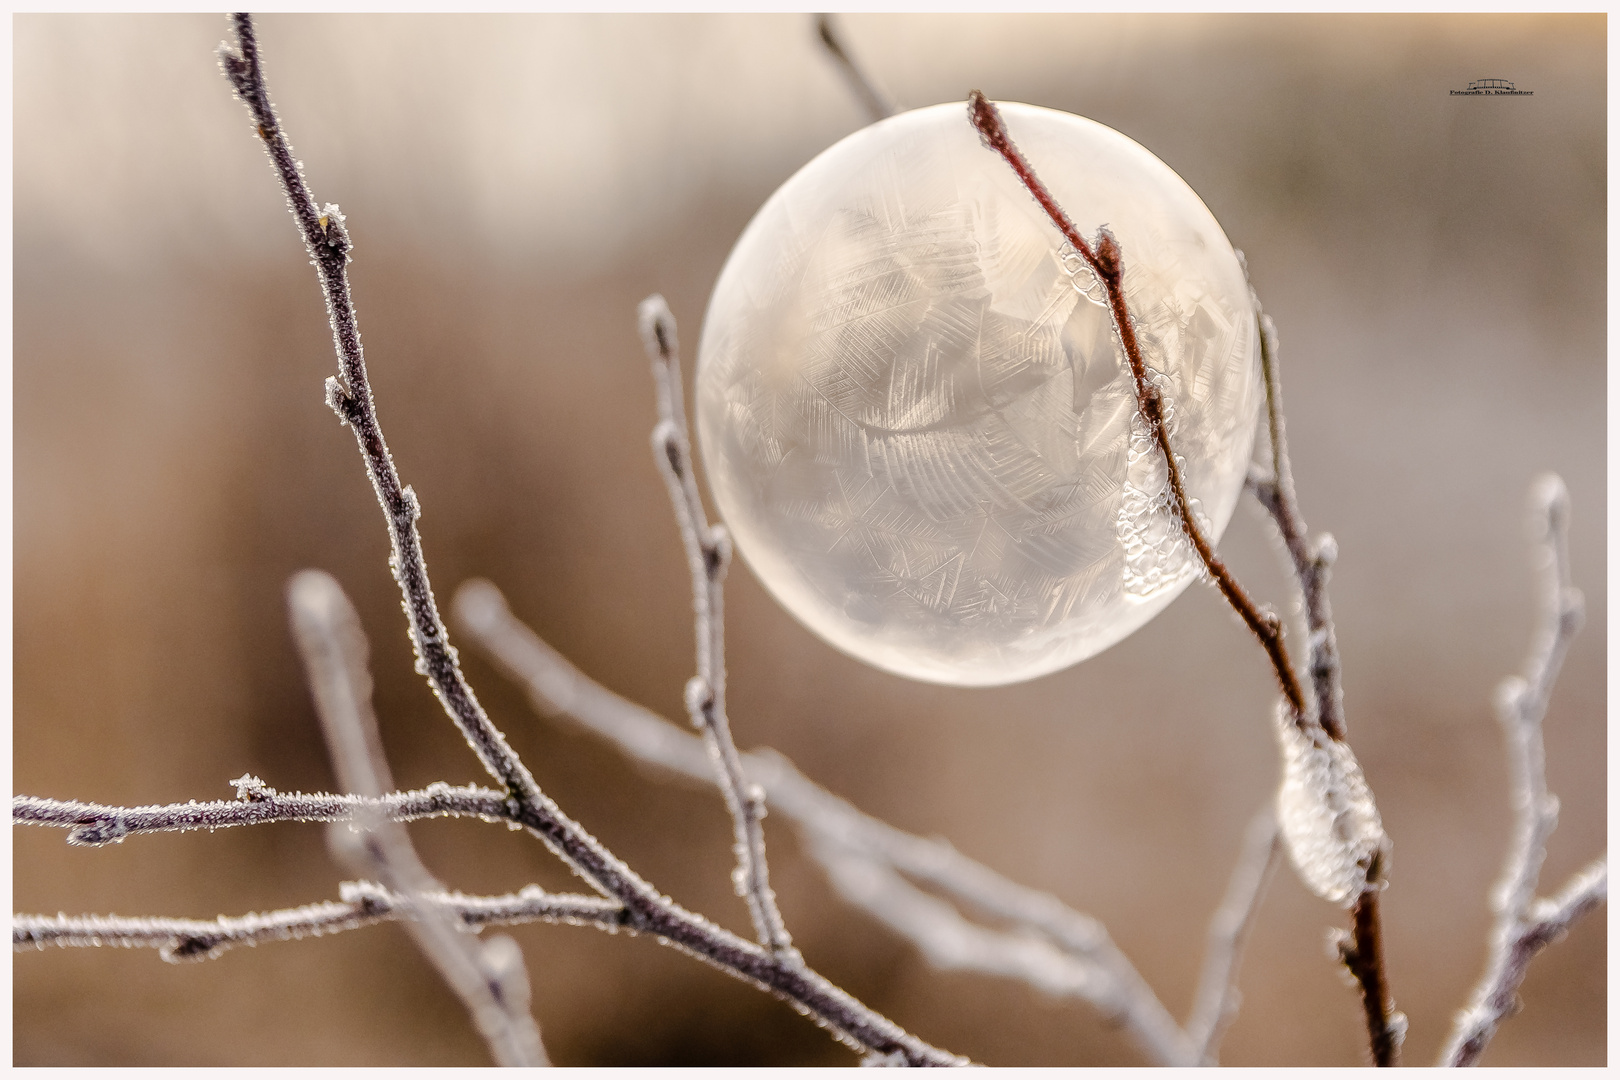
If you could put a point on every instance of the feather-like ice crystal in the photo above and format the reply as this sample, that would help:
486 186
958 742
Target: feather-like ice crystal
915 414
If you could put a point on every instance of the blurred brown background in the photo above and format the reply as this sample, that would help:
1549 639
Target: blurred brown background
514 186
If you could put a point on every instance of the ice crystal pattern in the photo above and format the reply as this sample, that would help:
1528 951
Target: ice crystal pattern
915 414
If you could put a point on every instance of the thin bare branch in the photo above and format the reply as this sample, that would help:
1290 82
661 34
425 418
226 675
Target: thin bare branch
1363 952
1107 261
952 942
1496 997
1521 702
489 977
1312 562
1521 705
363 904
1215 1005
708 554
647 909
94 824
878 105
557 688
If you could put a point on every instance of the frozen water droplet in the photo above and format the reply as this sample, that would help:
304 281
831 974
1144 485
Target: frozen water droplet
915 413
1329 822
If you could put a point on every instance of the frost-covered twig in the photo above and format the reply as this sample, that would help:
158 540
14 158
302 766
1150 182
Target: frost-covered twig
1524 925
1362 952
1340 773
256 803
1216 1003
1496 998
488 976
362 903
878 105
708 555
832 826
1312 562
647 909
1321 776
1107 261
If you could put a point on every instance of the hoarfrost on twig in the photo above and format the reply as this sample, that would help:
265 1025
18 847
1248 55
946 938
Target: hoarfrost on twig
1524 925
708 554
361 903
93 824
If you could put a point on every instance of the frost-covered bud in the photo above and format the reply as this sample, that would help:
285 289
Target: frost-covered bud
1326 812
699 699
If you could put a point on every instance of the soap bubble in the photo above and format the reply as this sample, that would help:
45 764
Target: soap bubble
915 414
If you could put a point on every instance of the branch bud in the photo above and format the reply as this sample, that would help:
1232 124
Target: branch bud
1110 259
699 700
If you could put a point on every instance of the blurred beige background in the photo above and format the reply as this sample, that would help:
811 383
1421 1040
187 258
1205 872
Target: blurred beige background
514 186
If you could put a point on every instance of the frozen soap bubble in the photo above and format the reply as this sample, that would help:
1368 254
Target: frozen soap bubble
916 417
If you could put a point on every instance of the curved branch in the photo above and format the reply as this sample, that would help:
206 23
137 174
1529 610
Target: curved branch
708 555
1496 997
1524 925
1107 261
349 395
837 832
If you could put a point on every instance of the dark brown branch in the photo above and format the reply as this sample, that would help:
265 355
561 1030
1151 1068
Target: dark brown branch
349 394
1363 954
1107 262
878 105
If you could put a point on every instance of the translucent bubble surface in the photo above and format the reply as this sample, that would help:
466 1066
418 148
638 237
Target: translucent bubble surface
915 415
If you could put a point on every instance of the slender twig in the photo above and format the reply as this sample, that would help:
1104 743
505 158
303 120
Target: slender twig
1107 261
1496 997
363 903
1518 932
1363 952
1521 703
708 554
1216 1003
647 909
95 824
489 977
830 824
952 942
878 104
1312 561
